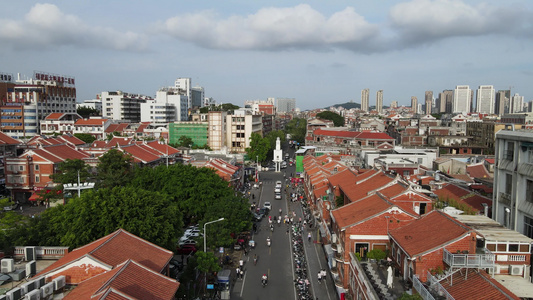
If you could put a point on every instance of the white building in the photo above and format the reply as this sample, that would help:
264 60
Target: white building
95 104
462 99
513 180
185 88
123 106
169 106
379 101
517 104
216 130
239 129
285 105
485 99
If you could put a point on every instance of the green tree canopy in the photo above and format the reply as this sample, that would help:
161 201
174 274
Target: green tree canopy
185 141
259 147
337 119
149 215
221 107
207 262
297 128
67 171
273 135
115 169
86 111
87 138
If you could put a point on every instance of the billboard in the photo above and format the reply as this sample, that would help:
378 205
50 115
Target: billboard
68 80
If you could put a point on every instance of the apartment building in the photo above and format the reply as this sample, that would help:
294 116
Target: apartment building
123 106
169 106
239 129
513 180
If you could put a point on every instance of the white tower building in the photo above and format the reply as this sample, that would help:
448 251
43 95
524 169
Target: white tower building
485 99
462 99
278 155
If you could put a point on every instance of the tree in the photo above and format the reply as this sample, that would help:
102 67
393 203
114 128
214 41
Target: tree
259 147
297 128
86 111
87 138
337 119
207 262
185 141
149 215
115 169
272 137
67 171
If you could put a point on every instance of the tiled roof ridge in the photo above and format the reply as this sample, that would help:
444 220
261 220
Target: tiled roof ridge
457 222
394 181
366 178
109 237
120 268
105 294
494 284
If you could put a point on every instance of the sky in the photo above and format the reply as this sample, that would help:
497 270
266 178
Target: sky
319 52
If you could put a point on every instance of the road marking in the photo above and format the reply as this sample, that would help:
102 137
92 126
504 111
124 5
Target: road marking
243 281
320 264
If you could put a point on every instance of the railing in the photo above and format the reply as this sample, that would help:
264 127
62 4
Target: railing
42 252
505 198
421 289
437 288
516 258
469 260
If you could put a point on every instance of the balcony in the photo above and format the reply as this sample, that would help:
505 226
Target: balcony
505 199
42 252
339 257
463 260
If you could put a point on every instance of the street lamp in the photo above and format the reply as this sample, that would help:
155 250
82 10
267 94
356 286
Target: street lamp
205 233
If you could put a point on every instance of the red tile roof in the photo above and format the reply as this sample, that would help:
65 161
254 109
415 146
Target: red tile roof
451 191
130 280
434 230
354 213
490 160
362 188
72 139
162 148
374 136
114 249
7 140
476 284
478 171
337 133
140 154
90 122
116 127
120 140
54 116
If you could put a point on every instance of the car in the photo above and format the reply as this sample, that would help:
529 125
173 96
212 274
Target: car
267 205
186 249
277 190
186 242
278 183
257 217
192 231
278 196
283 165
264 211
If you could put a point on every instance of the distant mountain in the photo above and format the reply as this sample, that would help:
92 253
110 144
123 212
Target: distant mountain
346 105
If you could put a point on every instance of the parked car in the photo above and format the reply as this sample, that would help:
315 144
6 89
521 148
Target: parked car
267 205
277 190
192 232
186 242
278 196
186 249
278 183
258 217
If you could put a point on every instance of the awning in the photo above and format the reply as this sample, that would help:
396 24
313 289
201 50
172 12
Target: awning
34 197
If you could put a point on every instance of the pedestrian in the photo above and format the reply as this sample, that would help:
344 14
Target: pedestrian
319 277
309 236
324 274
238 271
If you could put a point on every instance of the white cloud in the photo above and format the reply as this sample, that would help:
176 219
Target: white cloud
273 29
45 25
423 21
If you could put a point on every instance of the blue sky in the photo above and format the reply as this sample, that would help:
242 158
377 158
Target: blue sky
319 52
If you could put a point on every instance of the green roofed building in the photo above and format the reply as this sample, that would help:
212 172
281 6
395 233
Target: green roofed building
197 131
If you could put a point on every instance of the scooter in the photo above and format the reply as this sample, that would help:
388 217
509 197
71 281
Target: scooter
264 282
268 242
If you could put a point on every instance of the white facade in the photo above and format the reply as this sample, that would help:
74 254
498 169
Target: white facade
285 105
94 104
169 106
239 129
462 99
517 104
365 100
485 99
122 106
185 88
513 180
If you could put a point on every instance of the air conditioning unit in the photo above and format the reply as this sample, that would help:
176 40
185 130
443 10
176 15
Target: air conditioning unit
31 268
3 297
8 265
27 287
33 295
47 289
59 282
14 294
29 253
516 269
39 282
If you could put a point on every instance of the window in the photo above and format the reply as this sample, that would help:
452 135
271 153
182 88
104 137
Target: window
529 190
21 168
508 183
509 152
37 179
36 167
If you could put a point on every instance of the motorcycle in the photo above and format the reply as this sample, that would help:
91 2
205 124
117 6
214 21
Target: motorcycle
268 242
264 281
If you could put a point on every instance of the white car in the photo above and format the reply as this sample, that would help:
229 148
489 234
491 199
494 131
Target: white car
278 196
267 205
277 190
192 232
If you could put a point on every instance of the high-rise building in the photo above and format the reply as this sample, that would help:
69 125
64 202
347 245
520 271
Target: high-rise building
185 88
485 99
198 96
444 103
285 105
365 100
502 102
462 99
394 104
429 102
25 102
169 106
379 101
123 106
414 104
517 104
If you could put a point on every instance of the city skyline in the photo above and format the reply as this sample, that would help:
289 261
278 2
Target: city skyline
317 53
